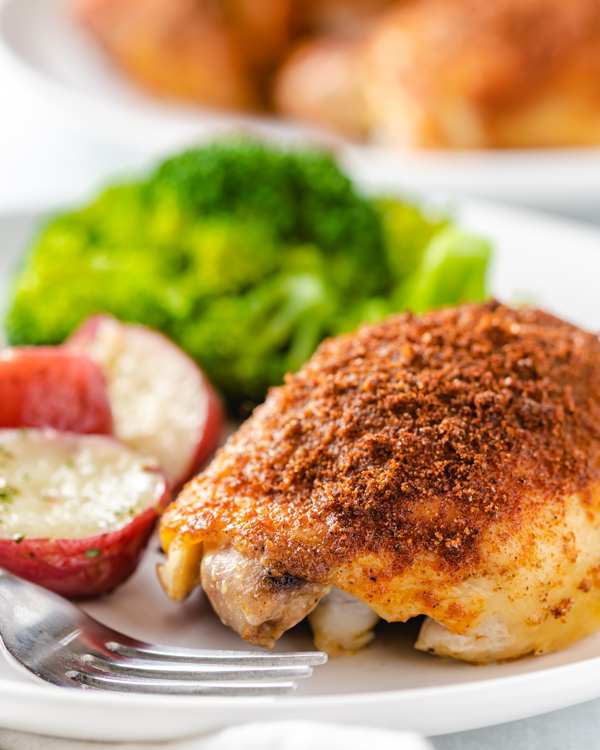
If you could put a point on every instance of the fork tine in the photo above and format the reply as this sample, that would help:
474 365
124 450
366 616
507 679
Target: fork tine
198 656
100 681
200 673
58 643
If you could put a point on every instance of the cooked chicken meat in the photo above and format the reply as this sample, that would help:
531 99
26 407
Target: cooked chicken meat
321 83
338 16
216 53
490 636
341 623
431 73
473 74
258 605
446 465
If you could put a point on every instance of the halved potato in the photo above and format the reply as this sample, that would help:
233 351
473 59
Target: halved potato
49 386
162 403
76 511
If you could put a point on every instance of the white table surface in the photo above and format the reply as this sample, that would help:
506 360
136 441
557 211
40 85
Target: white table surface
576 728
42 164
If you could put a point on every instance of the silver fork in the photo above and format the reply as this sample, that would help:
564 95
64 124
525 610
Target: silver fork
58 643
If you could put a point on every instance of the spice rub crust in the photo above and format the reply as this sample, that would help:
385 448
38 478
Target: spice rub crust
413 439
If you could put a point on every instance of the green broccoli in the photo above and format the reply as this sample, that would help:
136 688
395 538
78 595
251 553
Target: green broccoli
452 270
247 256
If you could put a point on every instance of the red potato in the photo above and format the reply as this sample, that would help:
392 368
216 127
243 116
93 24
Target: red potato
76 511
162 403
53 387
65 565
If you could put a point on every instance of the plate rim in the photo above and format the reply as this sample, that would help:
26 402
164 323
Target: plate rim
437 698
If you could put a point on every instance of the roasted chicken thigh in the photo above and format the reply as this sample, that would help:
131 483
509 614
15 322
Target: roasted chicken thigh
446 465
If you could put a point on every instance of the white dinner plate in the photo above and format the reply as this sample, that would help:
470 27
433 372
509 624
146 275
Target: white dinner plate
551 262
48 61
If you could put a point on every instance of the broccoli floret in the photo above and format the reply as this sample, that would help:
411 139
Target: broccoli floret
248 342
68 277
407 233
452 270
226 258
247 256
301 194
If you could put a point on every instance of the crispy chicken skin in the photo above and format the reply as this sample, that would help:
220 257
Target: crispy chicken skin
445 465
252 601
321 80
470 73
215 52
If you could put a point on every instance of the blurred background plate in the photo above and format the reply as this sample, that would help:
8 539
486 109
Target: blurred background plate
61 75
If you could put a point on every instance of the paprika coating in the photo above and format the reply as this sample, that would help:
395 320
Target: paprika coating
446 465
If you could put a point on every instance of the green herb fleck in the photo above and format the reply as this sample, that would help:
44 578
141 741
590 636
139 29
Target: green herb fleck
92 553
18 538
7 493
4 453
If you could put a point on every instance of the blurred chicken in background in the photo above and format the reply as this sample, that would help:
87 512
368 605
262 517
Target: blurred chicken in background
320 83
218 53
338 16
415 73
222 53
473 73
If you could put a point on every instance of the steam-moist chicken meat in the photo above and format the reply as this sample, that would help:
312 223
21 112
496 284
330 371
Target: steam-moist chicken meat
446 465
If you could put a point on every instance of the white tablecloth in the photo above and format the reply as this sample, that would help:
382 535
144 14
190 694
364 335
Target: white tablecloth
576 728
277 735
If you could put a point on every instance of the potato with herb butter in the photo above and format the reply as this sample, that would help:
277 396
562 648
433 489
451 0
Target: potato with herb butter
76 511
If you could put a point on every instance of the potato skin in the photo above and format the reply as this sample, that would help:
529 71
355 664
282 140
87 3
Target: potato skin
211 436
53 387
85 567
